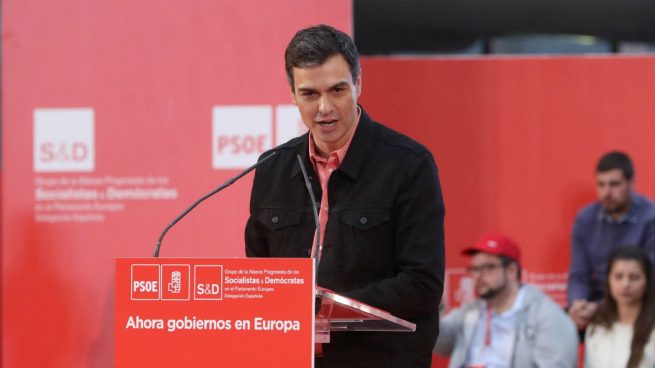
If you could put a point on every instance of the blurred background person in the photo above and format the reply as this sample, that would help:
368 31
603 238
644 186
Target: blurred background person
619 216
510 324
621 333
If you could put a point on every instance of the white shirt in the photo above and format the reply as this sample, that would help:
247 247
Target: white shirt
492 347
610 348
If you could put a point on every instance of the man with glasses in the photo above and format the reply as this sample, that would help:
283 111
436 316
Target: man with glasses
511 324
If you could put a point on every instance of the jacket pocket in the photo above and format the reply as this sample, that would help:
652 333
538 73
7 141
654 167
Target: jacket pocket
368 236
289 234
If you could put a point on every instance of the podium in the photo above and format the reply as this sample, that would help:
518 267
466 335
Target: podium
338 313
230 312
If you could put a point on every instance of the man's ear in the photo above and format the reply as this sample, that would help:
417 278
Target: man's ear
513 267
358 85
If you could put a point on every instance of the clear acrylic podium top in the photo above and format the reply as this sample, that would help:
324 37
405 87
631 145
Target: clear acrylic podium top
339 313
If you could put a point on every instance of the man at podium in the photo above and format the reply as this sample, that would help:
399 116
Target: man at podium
381 209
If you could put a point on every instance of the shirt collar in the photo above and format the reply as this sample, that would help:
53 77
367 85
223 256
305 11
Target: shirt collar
631 216
351 165
518 302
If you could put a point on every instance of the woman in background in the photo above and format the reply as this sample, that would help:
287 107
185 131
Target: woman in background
621 333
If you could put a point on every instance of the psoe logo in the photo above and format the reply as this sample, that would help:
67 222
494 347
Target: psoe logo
64 140
241 133
145 282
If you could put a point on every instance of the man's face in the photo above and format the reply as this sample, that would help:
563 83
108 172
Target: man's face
489 274
326 96
613 190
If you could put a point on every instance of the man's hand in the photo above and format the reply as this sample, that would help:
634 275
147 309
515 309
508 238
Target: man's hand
581 312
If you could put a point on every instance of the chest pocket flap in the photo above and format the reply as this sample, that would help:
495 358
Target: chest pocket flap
276 218
365 219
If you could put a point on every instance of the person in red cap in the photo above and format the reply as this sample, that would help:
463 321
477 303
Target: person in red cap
510 324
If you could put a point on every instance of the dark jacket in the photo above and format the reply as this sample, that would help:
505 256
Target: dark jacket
384 242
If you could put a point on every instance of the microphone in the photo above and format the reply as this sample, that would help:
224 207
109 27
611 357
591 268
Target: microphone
317 248
225 185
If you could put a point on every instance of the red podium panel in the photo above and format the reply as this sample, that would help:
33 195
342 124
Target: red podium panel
219 312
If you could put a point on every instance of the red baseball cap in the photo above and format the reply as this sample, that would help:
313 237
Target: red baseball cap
497 244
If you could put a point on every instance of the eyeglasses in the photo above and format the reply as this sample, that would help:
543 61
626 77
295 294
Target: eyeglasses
484 268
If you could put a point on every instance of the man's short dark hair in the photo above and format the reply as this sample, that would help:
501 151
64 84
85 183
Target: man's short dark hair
616 160
312 46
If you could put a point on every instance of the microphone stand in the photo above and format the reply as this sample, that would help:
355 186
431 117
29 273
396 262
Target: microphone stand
317 248
225 185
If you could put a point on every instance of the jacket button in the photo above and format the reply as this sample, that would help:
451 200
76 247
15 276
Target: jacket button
363 220
275 219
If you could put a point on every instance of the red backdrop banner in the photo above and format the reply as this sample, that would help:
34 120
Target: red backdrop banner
516 141
117 115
